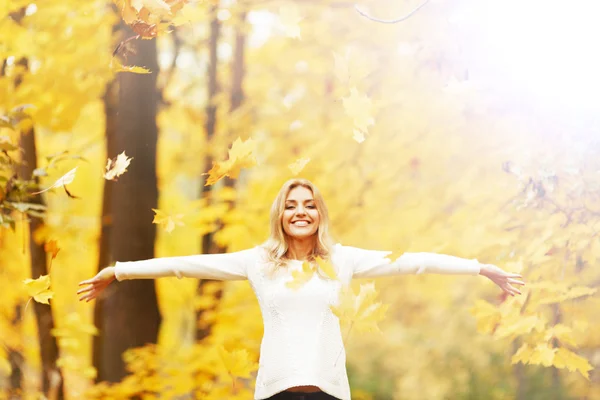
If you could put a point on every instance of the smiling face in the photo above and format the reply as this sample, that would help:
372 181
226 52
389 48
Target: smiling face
300 217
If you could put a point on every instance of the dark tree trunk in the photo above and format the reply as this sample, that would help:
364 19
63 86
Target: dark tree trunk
130 315
207 244
52 380
111 103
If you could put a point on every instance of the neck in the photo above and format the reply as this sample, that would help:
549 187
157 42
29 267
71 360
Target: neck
301 249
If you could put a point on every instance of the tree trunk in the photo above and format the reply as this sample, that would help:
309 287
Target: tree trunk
236 100
207 245
111 104
52 380
130 315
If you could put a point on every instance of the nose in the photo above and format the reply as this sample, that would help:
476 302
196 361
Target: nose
300 210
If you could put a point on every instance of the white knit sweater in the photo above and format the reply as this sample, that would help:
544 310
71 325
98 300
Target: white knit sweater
302 337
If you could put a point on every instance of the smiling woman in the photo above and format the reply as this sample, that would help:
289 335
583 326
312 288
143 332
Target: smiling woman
302 353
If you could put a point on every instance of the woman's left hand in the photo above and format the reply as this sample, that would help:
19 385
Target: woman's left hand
502 278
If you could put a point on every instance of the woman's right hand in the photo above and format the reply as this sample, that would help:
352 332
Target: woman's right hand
96 284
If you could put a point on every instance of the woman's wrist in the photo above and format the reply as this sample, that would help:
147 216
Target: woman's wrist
483 269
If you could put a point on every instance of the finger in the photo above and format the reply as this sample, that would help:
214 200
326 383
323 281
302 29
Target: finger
85 289
514 289
515 281
514 275
88 281
88 297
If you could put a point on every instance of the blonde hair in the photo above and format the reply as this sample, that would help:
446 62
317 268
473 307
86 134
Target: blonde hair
277 245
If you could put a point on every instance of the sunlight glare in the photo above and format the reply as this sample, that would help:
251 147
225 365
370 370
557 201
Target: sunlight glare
542 49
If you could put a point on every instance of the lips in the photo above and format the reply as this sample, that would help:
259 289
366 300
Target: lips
300 223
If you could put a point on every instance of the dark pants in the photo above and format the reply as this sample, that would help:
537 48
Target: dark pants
302 396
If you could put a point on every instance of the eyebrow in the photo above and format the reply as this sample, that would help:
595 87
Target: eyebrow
295 201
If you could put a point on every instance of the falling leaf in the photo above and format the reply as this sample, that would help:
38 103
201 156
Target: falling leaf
116 66
51 247
290 18
39 289
237 362
360 108
116 167
240 156
299 278
358 135
326 267
360 311
298 165
62 181
166 221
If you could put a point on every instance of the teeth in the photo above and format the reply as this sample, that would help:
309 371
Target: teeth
301 223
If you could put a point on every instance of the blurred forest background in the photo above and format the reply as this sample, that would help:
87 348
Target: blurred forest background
466 127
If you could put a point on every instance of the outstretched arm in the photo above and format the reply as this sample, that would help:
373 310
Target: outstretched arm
225 266
372 264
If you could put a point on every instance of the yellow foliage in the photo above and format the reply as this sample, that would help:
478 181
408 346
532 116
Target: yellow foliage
302 276
326 267
564 358
360 311
297 166
166 220
39 289
241 155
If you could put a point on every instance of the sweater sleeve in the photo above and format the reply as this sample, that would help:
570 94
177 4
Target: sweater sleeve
373 264
225 266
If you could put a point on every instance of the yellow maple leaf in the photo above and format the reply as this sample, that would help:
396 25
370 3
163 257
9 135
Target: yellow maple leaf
167 221
563 333
360 108
360 310
39 289
290 19
517 325
542 354
117 167
522 355
237 363
570 294
326 267
298 165
241 155
299 278
564 358
488 317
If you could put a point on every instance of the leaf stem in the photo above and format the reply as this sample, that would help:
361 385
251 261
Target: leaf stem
345 340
